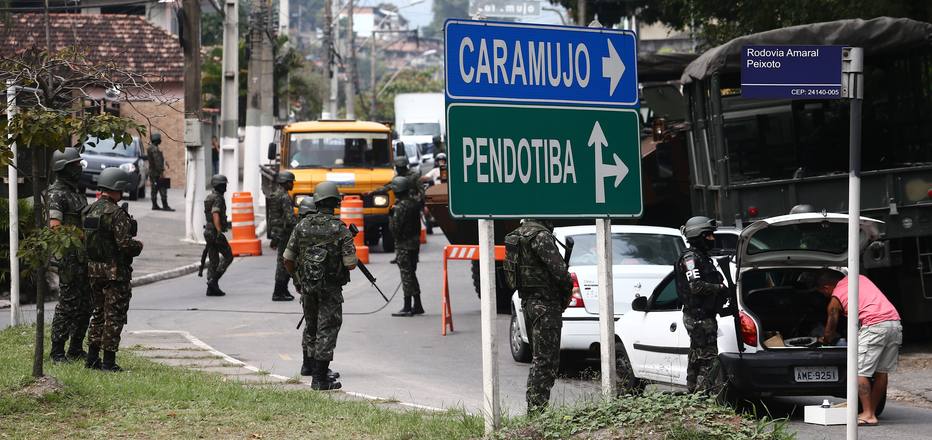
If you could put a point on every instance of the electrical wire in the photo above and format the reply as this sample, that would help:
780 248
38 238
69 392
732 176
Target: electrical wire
258 312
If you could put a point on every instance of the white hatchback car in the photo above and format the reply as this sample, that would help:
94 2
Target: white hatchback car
642 256
769 348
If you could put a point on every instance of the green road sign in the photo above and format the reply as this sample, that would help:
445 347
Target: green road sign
539 161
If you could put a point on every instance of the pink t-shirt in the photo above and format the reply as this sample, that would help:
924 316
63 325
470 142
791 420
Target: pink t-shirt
873 306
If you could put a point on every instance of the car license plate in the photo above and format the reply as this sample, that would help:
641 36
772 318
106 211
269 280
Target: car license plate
816 374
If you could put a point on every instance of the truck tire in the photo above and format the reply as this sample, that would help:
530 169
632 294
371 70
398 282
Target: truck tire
503 300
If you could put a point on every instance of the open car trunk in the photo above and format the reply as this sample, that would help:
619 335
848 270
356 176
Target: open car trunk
791 312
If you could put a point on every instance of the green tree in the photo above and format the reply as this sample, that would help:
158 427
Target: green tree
404 81
444 9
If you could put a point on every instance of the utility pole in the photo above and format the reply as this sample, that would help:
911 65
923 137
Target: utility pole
335 77
351 68
252 145
372 103
327 107
581 13
267 88
195 160
229 99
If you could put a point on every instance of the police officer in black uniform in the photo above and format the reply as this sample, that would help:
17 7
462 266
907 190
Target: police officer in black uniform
701 288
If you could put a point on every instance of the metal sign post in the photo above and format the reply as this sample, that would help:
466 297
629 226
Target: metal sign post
852 89
491 405
603 233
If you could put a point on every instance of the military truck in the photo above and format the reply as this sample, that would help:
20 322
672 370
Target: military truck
752 159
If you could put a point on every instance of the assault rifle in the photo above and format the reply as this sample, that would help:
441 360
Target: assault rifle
200 271
567 249
362 267
732 309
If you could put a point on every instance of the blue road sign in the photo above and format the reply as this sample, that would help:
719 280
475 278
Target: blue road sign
518 62
791 72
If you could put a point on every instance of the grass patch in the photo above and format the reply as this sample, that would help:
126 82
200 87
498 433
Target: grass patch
154 401
650 416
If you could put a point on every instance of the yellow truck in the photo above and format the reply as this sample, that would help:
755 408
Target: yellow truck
356 155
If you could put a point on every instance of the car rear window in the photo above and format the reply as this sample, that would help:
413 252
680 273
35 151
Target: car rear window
629 248
825 237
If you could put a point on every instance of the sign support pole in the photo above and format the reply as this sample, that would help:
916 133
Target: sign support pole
491 408
603 234
16 314
852 88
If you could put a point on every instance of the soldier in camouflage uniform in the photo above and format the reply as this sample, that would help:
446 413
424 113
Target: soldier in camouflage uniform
281 221
702 291
405 225
65 204
110 251
218 249
536 269
320 254
156 170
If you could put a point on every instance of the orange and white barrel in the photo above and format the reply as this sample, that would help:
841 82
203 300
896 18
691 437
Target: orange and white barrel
351 213
244 242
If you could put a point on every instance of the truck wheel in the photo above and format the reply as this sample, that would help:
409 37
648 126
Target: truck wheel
503 300
520 350
388 241
628 383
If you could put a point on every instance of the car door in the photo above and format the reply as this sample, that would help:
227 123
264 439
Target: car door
657 344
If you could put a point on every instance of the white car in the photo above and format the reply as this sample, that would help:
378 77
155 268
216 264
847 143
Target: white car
641 256
770 348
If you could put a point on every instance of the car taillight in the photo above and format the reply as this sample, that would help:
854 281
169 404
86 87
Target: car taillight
748 330
576 299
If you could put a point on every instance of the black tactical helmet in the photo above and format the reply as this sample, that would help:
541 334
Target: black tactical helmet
696 226
324 191
218 179
307 206
156 138
801 209
61 159
285 176
401 162
113 179
400 184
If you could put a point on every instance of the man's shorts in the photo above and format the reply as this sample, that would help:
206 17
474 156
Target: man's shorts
878 347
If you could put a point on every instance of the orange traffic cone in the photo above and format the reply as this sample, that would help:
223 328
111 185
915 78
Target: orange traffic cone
244 242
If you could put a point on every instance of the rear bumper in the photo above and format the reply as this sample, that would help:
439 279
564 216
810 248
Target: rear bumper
772 373
580 332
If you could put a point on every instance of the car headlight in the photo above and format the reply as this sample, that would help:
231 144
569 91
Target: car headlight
128 167
83 164
380 200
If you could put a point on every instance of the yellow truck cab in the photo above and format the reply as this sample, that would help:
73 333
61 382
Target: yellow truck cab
356 155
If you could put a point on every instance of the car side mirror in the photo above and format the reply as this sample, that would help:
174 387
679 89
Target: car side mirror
273 150
639 304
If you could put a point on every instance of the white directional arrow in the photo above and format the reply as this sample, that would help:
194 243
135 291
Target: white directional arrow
602 170
612 68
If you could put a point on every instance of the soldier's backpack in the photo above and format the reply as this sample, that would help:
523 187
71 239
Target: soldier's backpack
511 265
312 265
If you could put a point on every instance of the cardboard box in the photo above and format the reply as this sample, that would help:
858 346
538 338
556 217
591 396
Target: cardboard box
817 415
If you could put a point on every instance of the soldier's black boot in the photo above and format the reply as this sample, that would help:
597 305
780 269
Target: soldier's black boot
213 289
109 362
76 349
417 309
281 292
57 352
155 205
93 357
307 367
321 380
406 310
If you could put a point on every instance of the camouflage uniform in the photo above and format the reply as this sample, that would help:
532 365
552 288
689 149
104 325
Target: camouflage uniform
321 286
702 292
405 225
156 170
282 221
73 312
544 286
414 180
217 245
110 251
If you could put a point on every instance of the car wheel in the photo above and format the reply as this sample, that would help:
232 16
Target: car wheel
520 350
723 390
628 383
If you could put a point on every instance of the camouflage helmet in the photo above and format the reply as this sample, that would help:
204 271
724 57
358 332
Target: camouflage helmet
307 206
400 184
440 156
285 176
696 226
218 179
61 159
401 162
155 138
326 190
113 179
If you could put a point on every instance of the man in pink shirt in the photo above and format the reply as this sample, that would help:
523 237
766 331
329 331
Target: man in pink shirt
879 335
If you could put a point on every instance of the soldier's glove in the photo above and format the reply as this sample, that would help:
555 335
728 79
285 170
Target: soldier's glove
273 243
729 310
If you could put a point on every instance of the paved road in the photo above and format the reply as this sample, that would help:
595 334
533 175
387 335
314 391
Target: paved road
402 358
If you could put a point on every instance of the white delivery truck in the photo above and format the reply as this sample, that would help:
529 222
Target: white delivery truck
419 119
